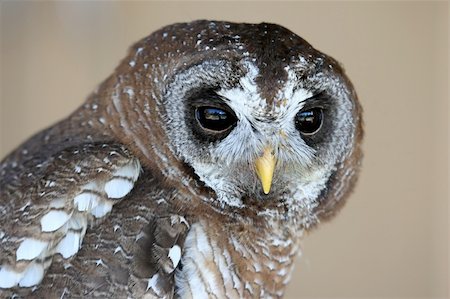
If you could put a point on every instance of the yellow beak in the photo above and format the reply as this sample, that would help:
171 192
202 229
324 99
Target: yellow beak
265 166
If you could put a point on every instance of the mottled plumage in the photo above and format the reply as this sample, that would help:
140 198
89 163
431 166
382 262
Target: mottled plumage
192 171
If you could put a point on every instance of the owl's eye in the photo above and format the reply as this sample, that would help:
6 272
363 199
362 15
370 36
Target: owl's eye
215 119
309 122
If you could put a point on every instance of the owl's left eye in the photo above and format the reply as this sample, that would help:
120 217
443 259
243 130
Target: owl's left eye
215 119
308 122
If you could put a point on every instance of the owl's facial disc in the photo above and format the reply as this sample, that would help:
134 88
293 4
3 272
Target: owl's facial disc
241 144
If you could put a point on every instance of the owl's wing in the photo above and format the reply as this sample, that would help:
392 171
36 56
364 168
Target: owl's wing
46 207
132 254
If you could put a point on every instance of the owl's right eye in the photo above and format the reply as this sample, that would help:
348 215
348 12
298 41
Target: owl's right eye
215 119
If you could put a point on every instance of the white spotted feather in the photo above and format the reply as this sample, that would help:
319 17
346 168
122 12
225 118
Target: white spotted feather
68 226
30 249
54 220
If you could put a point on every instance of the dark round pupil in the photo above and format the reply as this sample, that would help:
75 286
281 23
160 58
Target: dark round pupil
309 121
214 119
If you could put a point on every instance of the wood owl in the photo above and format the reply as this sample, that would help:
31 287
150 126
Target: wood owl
191 172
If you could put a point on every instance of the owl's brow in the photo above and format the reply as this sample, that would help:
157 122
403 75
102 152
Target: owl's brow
317 98
206 96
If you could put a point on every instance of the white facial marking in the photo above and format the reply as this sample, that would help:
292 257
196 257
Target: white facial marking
30 249
53 220
258 126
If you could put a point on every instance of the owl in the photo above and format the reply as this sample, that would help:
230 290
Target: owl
191 172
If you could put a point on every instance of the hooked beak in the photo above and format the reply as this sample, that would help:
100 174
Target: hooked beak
265 166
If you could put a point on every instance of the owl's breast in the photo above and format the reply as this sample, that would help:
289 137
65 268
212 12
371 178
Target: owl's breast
221 263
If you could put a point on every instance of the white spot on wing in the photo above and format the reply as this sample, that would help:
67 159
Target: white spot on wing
53 220
32 276
24 207
30 249
49 183
153 284
100 262
102 209
69 245
9 278
85 201
130 170
139 236
175 255
118 188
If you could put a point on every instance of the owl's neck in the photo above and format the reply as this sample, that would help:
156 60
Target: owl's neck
238 261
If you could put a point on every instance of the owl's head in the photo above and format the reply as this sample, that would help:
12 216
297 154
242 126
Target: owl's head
256 112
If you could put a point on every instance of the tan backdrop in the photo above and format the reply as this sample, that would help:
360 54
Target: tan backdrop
391 240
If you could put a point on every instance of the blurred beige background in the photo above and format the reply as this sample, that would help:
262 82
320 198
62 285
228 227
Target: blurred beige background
391 240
